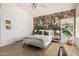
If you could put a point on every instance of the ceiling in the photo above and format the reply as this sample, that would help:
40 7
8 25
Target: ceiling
48 8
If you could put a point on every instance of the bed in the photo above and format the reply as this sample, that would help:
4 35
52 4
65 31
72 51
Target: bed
38 40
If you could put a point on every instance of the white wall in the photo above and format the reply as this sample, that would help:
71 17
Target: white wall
0 22
21 24
77 32
77 26
77 9
77 20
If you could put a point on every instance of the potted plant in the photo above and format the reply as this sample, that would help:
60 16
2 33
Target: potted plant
67 31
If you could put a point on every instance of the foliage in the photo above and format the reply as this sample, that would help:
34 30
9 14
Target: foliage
66 30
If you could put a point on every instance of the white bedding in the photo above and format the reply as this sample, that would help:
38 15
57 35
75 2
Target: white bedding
41 41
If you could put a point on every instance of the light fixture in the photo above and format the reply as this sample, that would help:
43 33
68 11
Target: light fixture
34 5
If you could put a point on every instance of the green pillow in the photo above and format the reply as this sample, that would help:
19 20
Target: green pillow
40 32
46 33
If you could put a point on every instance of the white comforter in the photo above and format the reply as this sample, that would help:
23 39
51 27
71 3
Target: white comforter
38 40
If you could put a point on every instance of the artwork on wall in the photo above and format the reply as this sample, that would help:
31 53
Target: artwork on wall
49 21
8 27
8 24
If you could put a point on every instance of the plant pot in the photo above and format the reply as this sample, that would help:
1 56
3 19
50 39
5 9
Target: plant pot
69 42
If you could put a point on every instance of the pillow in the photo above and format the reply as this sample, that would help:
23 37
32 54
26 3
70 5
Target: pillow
46 33
40 32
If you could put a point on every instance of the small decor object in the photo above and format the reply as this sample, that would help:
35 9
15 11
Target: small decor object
69 42
8 24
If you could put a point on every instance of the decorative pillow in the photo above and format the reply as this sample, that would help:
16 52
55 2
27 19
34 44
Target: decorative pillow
46 33
40 32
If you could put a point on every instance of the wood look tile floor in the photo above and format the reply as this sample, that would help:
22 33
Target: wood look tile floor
18 49
71 50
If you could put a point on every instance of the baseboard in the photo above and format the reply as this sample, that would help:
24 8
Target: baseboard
6 43
10 42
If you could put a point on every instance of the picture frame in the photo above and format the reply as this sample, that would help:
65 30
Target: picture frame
8 26
8 22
